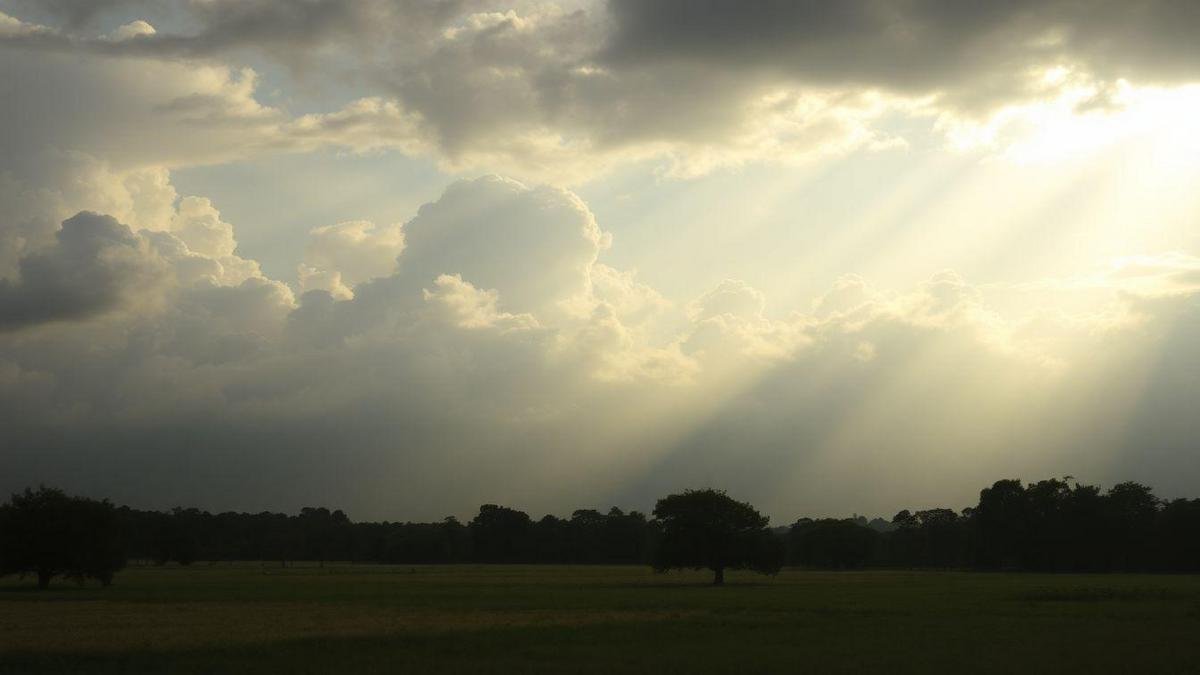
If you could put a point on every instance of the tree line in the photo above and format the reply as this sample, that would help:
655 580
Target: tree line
1052 525
1049 526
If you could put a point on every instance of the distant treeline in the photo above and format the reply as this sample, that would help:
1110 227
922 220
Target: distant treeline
1052 525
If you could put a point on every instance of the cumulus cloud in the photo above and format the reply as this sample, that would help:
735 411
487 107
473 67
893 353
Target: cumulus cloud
535 245
338 257
131 30
488 348
47 187
488 249
61 267
497 357
470 307
94 265
730 297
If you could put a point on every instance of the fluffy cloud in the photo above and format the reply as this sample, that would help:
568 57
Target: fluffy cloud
50 186
488 349
151 246
500 359
536 246
468 307
339 257
94 265
494 254
731 297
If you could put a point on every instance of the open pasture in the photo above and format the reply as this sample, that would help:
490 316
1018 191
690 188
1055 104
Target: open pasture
556 619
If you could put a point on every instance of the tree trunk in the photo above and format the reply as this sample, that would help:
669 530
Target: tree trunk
719 576
44 579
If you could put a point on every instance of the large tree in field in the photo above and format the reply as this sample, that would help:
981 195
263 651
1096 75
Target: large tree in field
47 533
707 529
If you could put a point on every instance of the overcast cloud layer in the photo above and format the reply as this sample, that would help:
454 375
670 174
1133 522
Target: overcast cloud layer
485 349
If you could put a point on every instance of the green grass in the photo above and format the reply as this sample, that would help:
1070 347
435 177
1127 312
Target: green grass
247 618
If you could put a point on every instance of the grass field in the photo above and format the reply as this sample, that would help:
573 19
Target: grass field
247 618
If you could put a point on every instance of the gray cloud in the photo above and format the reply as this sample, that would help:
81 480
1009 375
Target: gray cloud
283 29
969 52
94 265
533 89
74 14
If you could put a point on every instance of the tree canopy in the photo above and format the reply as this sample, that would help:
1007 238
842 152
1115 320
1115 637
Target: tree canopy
707 529
48 533
1048 525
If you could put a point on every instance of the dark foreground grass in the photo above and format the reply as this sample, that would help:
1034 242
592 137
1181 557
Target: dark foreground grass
486 619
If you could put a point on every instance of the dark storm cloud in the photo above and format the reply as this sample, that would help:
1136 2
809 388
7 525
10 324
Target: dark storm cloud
94 264
969 50
910 45
975 54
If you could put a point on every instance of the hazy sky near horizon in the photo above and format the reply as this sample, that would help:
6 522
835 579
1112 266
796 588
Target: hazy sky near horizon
403 257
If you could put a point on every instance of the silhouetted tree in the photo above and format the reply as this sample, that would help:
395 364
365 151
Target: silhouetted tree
552 540
707 529
831 543
1050 525
501 534
999 523
1179 534
626 537
48 533
325 533
1064 525
942 537
1131 510
425 543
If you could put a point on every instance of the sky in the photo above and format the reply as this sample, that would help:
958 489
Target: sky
405 257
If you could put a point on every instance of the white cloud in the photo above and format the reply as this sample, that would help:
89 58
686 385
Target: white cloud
126 241
470 307
338 257
536 246
731 297
132 30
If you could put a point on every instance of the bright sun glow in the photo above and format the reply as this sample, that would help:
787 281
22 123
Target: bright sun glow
1082 119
